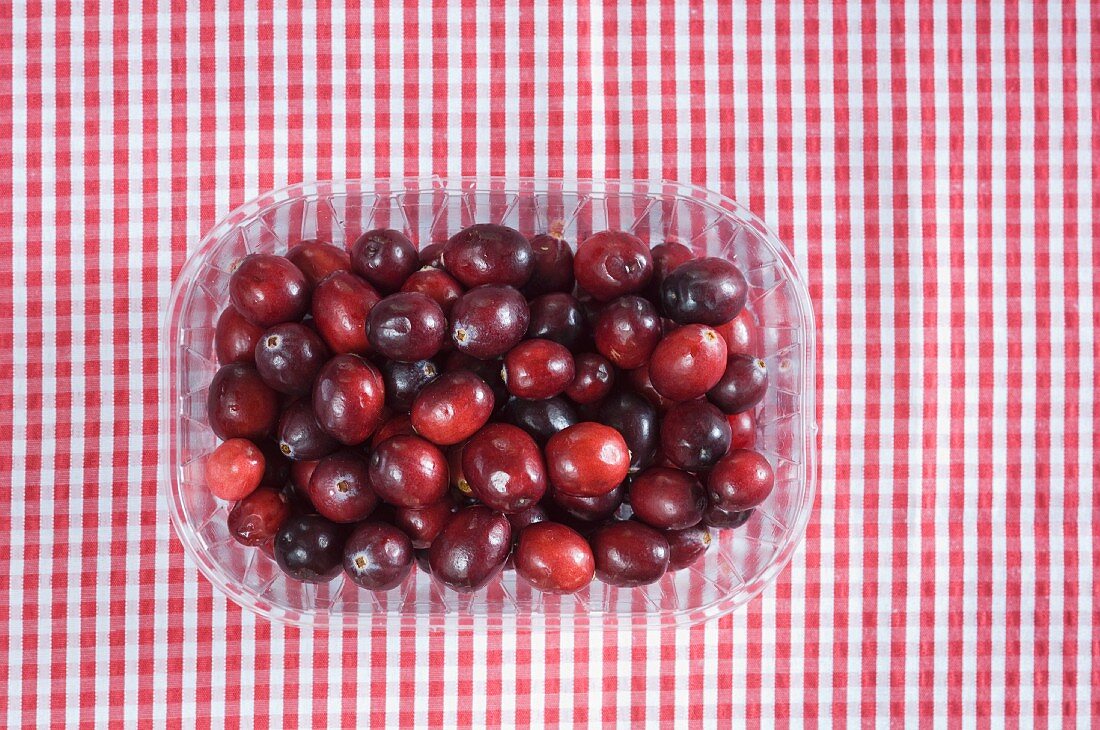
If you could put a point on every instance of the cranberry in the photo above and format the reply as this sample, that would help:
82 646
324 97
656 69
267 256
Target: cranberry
378 556
554 558
629 554
667 257
269 290
587 460
488 321
487 253
429 255
348 398
385 258
235 338
639 380
593 380
403 380
740 481
276 465
668 499
553 266
440 286
454 464
234 469
471 549
686 546
301 437
695 435
537 369
341 304
612 263
406 326
504 468
256 518
632 416
288 357
423 524
392 426
589 509
340 487
742 385
408 471
532 515
739 334
742 430
704 291
540 418
317 259
240 404
722 519
310 548
627 330
558 317
452 407
688 362
487 370
300 473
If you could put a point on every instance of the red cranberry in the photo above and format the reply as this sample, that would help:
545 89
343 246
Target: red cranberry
632 416
423 524
235 338
722 519
593 380
688 362
310 548
667 257
487 370
587 460
288 357
488 321
589 509
385 258
612 263
378 556
437 284
742 430
300 473
537 369
639 380
407 327
393 426
348 398
340 487
740 481
240 404
695 435
471 549
504 468
429 255
487 253
558 317
553 266
301 437
540 418
686 546
317 259
742 385
740 334
269 290
705 291
255 519
668 499
452 407
532 515
627 330
234 469
404 380
408 471
629 554
341 304
554 558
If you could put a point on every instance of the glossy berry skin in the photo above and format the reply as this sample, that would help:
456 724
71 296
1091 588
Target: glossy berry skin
686 546
629 554
558 317
587 460
740 334
289 356
742 430
317 259
392 426
377 556
554 558
452 407
668 499
301 437
300 473
741 386
640 383
406 326
488 321
532 515
423 524
235 338
268 290
487 370
276 465
340 487
707 291
688 362
429 255
537 369
257 518
667 257
504 468
341 304
540 418
234 469
347 399
593 379
239 404
437 284
740 481
403 380
488 253
612 263
695 435
627 330
385 258
636 420
310 548
553 266
721 519
589 509
471 549
408 471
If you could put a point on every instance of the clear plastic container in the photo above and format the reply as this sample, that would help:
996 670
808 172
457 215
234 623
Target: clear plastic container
736 568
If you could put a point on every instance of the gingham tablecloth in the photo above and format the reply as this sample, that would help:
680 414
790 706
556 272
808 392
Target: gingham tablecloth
932 166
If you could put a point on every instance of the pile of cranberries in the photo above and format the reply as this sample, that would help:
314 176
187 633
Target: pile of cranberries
485 403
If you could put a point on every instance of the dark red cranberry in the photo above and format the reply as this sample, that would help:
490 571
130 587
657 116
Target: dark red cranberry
742 430
639 381
722 519
404 380
487 253
686 546
318 259
269 290
348 398
532 515
289 356
409 471
740 334
488 321
240 404
695 435
341 304
423 524
629 554
392 426
234 469
742 385
626 331
437 284
378 556
704 291
593 380
310 548
487 370
537 369
301 437
235 338
587 460
429 255
340 487
668 499
385 258
667 257
558 317
554 558
452 407
504 468
612 263
636 419
540 418
471 549
688 362
553 266
589 509
406 326
257 518
740 481
276 465
300 472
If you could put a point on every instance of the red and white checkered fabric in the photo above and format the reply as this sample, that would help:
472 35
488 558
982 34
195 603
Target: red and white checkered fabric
931 165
